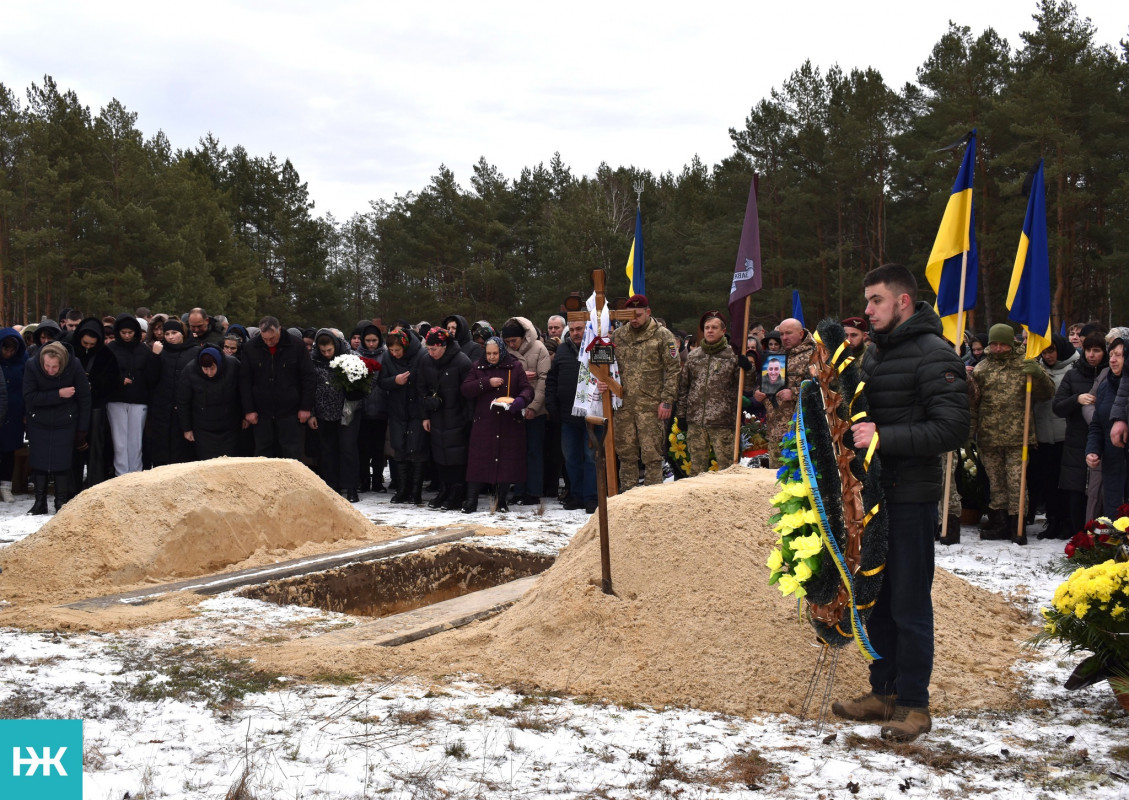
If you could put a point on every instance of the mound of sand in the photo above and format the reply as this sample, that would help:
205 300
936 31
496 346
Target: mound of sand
177 522
693 623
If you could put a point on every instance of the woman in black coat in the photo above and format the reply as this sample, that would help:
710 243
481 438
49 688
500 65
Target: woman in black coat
128 406
401 378
1100 452
57 404
336 419
168 445
497 438
209 404
374 420
448 416
1074 401
101 368
13 360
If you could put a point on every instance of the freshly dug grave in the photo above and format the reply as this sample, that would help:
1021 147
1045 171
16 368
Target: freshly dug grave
693 623
169 523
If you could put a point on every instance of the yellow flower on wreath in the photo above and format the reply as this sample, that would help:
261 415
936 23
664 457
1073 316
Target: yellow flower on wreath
807 546
1121 524
788 584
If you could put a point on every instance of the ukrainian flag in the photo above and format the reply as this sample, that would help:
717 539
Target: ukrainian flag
1029 295
956 237
636 281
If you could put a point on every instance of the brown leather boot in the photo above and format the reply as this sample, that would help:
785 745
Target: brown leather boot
870 706
907 724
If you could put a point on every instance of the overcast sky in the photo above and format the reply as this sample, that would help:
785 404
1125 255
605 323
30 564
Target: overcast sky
369 98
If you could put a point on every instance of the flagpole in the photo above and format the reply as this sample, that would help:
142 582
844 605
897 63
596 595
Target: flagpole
949 458
1021 533
741 382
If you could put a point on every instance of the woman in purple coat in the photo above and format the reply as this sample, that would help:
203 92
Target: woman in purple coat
497 438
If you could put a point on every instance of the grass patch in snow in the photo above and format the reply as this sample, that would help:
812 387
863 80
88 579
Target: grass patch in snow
191 674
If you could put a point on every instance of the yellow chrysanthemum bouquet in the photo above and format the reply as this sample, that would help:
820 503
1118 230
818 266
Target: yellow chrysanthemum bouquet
1090 611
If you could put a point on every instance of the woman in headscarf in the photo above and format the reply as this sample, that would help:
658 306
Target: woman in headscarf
497 436
166 437
448 416
210 405
374 420
401 378
336 426
101 370
57 400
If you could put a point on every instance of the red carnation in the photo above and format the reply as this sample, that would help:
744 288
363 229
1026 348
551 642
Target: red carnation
1082 540
372 364
1069 549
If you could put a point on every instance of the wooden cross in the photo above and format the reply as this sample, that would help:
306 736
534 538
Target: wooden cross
604 374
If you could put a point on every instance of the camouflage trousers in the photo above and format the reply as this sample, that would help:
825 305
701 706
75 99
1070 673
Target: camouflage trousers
701 438
640 436
1004 466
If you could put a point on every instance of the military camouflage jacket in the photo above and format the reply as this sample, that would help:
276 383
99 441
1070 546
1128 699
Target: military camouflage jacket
707 391
997 403
648 364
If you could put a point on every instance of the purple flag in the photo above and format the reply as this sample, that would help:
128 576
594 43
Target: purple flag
747 272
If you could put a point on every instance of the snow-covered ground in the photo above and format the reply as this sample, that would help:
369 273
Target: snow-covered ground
165 719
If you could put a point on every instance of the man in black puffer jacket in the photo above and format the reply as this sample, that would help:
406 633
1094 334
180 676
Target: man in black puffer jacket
915 388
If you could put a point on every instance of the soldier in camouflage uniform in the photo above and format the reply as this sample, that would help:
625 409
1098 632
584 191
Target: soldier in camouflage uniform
996 408
649 366
707 396
798 344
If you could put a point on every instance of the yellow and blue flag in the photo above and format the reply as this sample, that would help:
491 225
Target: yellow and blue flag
636 280
1029 295
955 239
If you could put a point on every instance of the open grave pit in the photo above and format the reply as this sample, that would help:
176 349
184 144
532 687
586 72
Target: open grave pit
403 583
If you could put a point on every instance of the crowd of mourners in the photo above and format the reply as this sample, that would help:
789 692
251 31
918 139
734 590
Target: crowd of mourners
463 410
1076 469
453 409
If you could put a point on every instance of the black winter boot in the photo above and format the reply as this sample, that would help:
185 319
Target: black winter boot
440 498
996 526
62 489
455 497
501 495
470 505
1013 530
416 485
39 481
952 531
404 487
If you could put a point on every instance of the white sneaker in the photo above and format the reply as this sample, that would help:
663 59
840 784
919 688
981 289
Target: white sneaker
6 494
